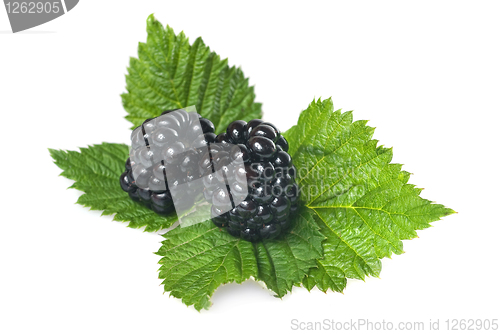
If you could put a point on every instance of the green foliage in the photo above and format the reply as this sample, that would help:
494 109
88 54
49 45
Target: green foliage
363 203
284 262
96 171
198 258
356 206
170 73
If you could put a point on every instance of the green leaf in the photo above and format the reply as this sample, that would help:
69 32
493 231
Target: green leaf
363 203
198 258
170 73
284 262
96 171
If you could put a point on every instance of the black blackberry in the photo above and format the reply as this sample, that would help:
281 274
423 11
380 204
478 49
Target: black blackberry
161 147
269 175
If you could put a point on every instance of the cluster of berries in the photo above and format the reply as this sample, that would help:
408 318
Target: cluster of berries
270 178
165 148
253 200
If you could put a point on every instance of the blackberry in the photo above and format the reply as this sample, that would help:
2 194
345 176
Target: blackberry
269 175
164 146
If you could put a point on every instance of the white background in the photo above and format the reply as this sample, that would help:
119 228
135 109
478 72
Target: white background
426 74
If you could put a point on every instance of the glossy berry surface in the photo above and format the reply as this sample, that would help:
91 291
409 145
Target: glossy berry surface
175 138
271 202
